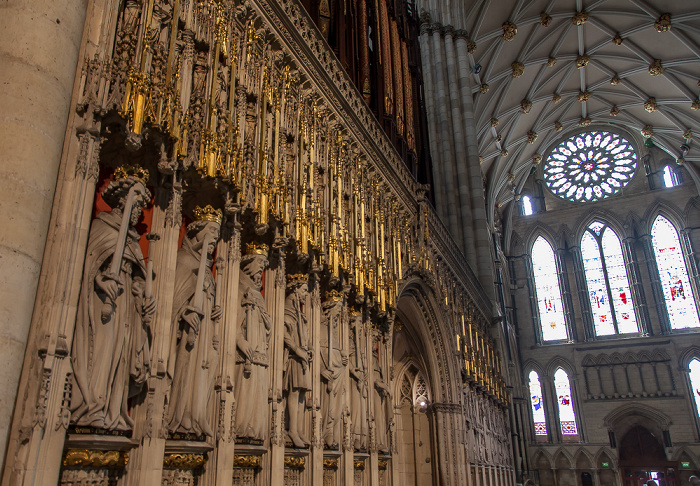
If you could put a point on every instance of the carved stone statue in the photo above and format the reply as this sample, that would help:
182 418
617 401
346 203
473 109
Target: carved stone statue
358 383
382 395
297 375
110 354
333 362
194 349
252 359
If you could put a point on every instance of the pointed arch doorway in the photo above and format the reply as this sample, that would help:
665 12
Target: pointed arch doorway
642 458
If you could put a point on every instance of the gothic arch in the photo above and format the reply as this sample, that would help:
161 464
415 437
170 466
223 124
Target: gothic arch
685 357
560 362
532 365
604 216
668 211
605 455
545 232
563 460
623 418
682 453
542 460
583 460
427 327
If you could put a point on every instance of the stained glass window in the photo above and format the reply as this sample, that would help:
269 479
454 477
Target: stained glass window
590 166
680 302
606 278
537 404
694 375
567 418
548 292
527 206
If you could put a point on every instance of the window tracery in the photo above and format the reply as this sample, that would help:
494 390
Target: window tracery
606 278
590 166
673 274
548 292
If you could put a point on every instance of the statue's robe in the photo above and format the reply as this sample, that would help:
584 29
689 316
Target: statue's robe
192 366
251 377
110 354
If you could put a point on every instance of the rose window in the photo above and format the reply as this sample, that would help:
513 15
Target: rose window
590 166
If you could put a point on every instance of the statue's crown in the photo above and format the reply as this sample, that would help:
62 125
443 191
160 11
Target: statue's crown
255 249
208 213
297 278
334 296
131 170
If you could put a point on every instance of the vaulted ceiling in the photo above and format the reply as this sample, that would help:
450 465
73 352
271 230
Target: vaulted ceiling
542 67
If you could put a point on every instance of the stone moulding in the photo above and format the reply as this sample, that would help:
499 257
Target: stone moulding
84 458
184 461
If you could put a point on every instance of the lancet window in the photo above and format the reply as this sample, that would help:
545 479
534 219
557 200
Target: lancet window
548 292
538 414
567 416
673 274
694 375
606 278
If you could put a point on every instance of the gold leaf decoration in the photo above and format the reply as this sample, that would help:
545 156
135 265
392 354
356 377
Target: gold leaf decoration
580 18
510 30
695 105
531 136
582 61
518 69
655 68
614 111
494 122
246 461
650 105
91 458
584 122
330 463
184 461
294 462
525 106
556 98
584 96
663 23
647 131
617 40
551 61
536 159
558 126
615 80
484 88
471 47
545 19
